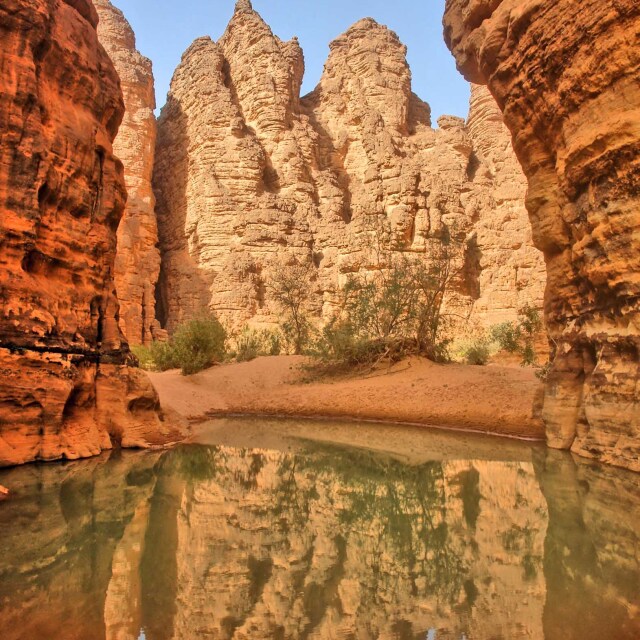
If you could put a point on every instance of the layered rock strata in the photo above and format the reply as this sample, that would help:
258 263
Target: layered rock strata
510 271
65 387
565 75
137 264
249 175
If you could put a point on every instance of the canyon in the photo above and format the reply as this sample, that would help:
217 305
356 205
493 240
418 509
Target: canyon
66 387
241 175
565 75
116 227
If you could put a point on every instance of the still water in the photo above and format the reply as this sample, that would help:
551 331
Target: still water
264 531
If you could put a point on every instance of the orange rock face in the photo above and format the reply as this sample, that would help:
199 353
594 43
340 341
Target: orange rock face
566 77
249 175
138 259
65 389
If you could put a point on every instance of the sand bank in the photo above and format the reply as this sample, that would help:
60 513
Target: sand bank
498 400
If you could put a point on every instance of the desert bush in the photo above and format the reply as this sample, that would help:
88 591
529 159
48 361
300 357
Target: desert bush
519 337
159 356
393 309
196 345
144 356
290 286
163 356
248 346
342 345
478 351
199 344
507 335
252 343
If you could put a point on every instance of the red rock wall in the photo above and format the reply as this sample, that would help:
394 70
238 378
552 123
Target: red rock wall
565 75
65 389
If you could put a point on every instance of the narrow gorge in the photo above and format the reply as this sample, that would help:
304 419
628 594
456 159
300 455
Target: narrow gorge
241 174
292 362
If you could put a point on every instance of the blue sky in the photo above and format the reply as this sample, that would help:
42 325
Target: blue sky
165 28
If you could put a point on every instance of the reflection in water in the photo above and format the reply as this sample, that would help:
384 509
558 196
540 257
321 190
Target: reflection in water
326 542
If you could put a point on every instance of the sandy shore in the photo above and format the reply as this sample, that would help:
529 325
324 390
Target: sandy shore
494 399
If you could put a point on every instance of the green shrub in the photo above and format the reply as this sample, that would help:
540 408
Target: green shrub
247 346
159 356
163 356
507 335
478 352
519 337
196 345
291 286
199 344
341 345
144 356
392 311
252 343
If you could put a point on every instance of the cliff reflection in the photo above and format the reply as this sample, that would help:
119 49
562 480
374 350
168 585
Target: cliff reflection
219 542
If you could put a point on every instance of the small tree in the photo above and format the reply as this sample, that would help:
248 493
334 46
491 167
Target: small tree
432 278
290 287
394 307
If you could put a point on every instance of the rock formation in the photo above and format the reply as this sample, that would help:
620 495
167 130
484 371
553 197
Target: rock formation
565 75
65 387
510 271
249 175
137 263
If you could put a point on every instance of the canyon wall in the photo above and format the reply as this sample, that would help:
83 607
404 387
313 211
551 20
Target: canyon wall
65 388
510 271
137 264
565 75
250 176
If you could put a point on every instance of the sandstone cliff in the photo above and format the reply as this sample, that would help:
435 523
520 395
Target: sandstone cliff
249 175
65 388
565 76
510 271
137 259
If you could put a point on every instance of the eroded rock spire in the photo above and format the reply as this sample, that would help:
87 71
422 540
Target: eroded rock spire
271 178
137 260
243 5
